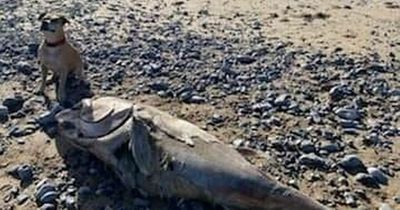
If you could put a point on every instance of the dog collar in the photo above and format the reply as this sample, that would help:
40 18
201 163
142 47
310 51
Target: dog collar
55 44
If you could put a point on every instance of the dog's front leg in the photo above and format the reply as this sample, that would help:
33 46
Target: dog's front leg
42 87
62 82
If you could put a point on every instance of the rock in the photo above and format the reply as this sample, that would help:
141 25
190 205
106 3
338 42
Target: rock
238 142
24 67
313 161
22 172
21 199
49 197
330 147
366 180
378 175
282 100
245 59
352 164
3 113
307 146
338 92
196 99
46 192
13 104
349 114
385 206
70 202
48 206
350 199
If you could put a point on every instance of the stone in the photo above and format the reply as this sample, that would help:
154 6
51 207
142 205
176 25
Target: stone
350 199
313 161
22 172
352 164
349 114
307 146
378 175
13 104
366 180
24 67
385 206
22 198
48 206
245 59
3 113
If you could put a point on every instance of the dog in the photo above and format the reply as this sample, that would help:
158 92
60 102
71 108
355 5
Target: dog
55 53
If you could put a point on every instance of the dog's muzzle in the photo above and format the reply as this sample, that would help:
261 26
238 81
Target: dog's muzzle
44 27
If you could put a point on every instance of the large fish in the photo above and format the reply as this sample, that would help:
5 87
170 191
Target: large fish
161 155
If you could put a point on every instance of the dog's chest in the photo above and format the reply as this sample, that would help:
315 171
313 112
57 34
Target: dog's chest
55 58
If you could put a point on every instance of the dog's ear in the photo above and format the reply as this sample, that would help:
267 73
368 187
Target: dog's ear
41 16
64 20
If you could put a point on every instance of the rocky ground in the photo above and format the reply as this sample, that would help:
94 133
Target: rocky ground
313 86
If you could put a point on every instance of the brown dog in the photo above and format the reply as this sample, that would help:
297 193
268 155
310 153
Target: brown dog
56 54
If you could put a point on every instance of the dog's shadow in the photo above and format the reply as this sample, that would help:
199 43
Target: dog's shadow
98 187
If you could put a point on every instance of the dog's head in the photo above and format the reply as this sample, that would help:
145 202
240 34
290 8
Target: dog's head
52 23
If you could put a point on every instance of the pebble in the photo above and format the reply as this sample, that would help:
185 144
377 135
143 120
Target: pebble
46 192
366 180
48 206
307 146
245 59
70 203
378 175
3 113
385 206
348 114
313 161
22 172
350 199
13 104
24 67
352 164
22 198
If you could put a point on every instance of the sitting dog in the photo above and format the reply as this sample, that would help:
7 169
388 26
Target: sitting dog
57 54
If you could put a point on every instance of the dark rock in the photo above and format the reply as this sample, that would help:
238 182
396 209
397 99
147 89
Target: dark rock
366 180
352 164
349 114
196 99
313 161
330 147
378 175
3 113
282 100
24 67
13 104
245 59
46 192
23 173
307 146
